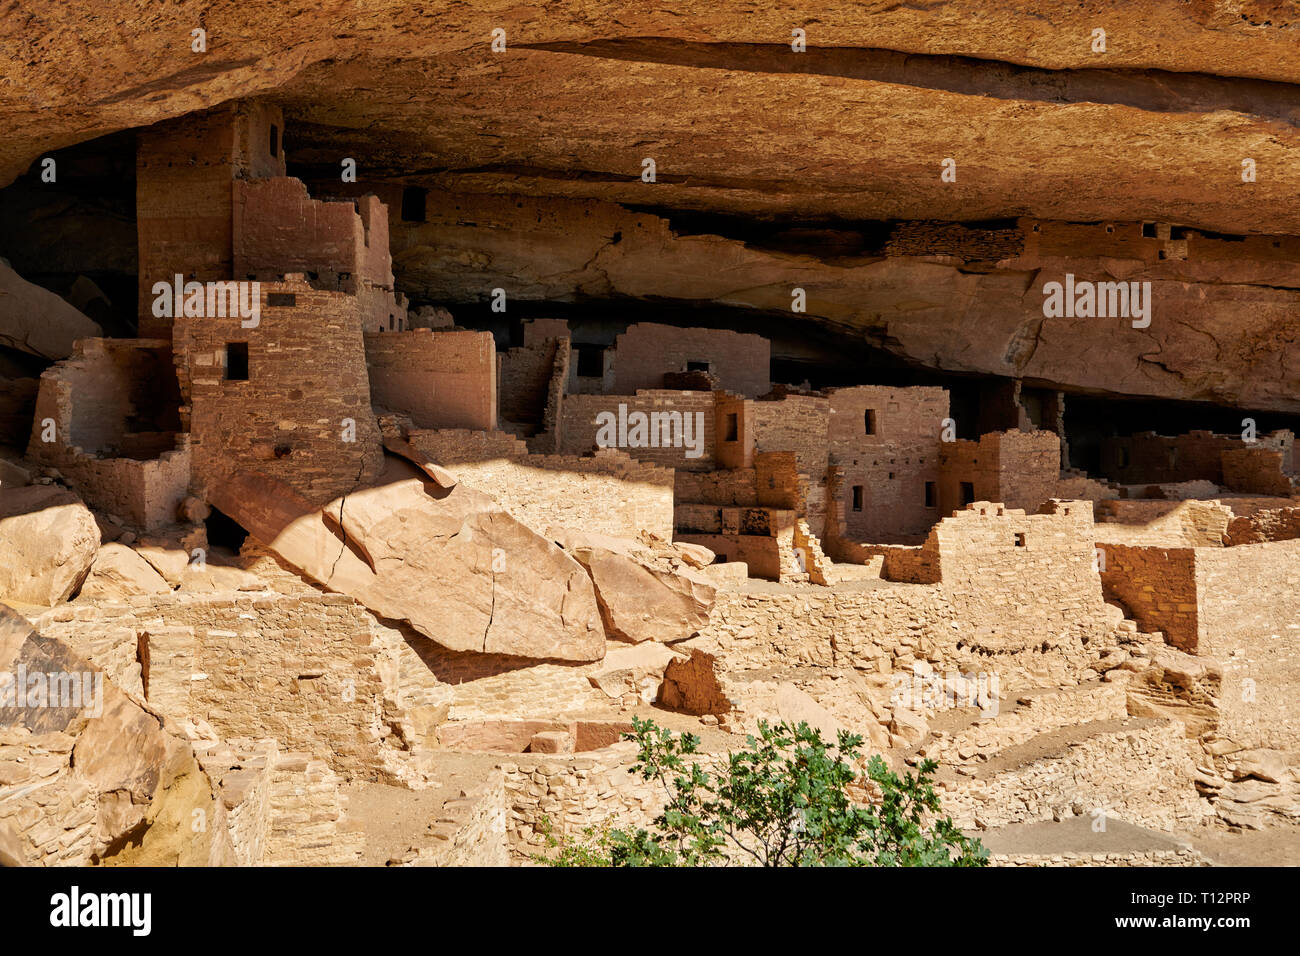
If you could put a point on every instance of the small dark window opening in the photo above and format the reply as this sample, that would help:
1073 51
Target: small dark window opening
236 361
1148 230
733 427
224 531
1173 458
414 204
967 492
869 421
591 361
281 300
1020 540
929 494
275 140
1123 457
857 497
283 451
697 366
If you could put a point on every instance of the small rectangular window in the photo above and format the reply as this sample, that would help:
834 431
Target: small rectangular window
1020 540
697 366
414 204
857 497
869 421
236 361
967 492
929 494
1148 230
591 361
733 427
281 300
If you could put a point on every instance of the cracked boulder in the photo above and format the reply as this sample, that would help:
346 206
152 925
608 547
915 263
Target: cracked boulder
647 590
48 541
36 321
448 562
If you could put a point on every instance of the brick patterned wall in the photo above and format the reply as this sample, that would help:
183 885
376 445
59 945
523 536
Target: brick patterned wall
1148 458
438 379
306 376
114 406
740 361
302 670
1019 469
1281 524
1157 523
1014 577
579 426
524 380
736 487
1158 588
1249 608
1254 470
185 173
891 465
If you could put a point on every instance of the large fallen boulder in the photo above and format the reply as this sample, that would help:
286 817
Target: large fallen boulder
36 320
647 592
449 562
118 573
48 541
88 772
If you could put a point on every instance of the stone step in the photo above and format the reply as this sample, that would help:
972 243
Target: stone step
977 736
1136 769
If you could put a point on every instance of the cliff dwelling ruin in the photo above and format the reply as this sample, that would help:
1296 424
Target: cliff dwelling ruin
386 467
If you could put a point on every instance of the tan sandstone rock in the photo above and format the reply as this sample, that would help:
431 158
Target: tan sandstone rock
644 593
118 572
48 540
447 561
637 670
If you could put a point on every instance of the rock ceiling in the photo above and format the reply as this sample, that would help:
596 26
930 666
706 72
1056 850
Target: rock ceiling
856 128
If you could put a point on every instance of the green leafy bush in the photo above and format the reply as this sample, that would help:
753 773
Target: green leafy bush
782 801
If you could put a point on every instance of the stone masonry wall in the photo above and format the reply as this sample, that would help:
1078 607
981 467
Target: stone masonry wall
303 416
885 443
303 670
580 427
1157 586
1248 604
642 354
438 379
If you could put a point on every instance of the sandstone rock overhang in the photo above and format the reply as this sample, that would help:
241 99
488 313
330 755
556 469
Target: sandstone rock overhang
1039 121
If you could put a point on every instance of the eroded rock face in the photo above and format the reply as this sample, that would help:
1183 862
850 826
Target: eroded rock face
36 321
96 776
646 591
449 562
48 541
